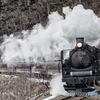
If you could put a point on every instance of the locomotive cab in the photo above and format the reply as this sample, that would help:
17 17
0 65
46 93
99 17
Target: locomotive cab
81 69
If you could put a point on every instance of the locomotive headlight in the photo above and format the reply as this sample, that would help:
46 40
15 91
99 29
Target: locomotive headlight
79 44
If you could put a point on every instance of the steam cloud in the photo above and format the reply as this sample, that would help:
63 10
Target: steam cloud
45 43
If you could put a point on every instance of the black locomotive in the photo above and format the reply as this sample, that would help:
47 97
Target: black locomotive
81 71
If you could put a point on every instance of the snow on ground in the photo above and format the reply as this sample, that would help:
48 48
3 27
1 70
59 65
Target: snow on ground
38 80
8 76
16 87
3 75
51 97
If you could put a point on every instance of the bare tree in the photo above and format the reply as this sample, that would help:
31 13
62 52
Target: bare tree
28 2
80 2
0 6
48 9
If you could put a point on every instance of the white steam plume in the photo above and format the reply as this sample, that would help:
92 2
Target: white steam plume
57 86
45 43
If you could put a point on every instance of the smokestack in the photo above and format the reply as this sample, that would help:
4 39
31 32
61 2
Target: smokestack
80 39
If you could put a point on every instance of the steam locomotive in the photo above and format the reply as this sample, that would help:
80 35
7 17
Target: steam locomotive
81 71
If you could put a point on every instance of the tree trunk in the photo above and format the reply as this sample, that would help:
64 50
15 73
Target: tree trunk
48 9
79 1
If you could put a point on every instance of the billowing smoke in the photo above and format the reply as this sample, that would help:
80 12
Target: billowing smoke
45 43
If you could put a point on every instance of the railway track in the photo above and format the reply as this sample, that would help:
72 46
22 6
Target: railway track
80 98
72 98
67 98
